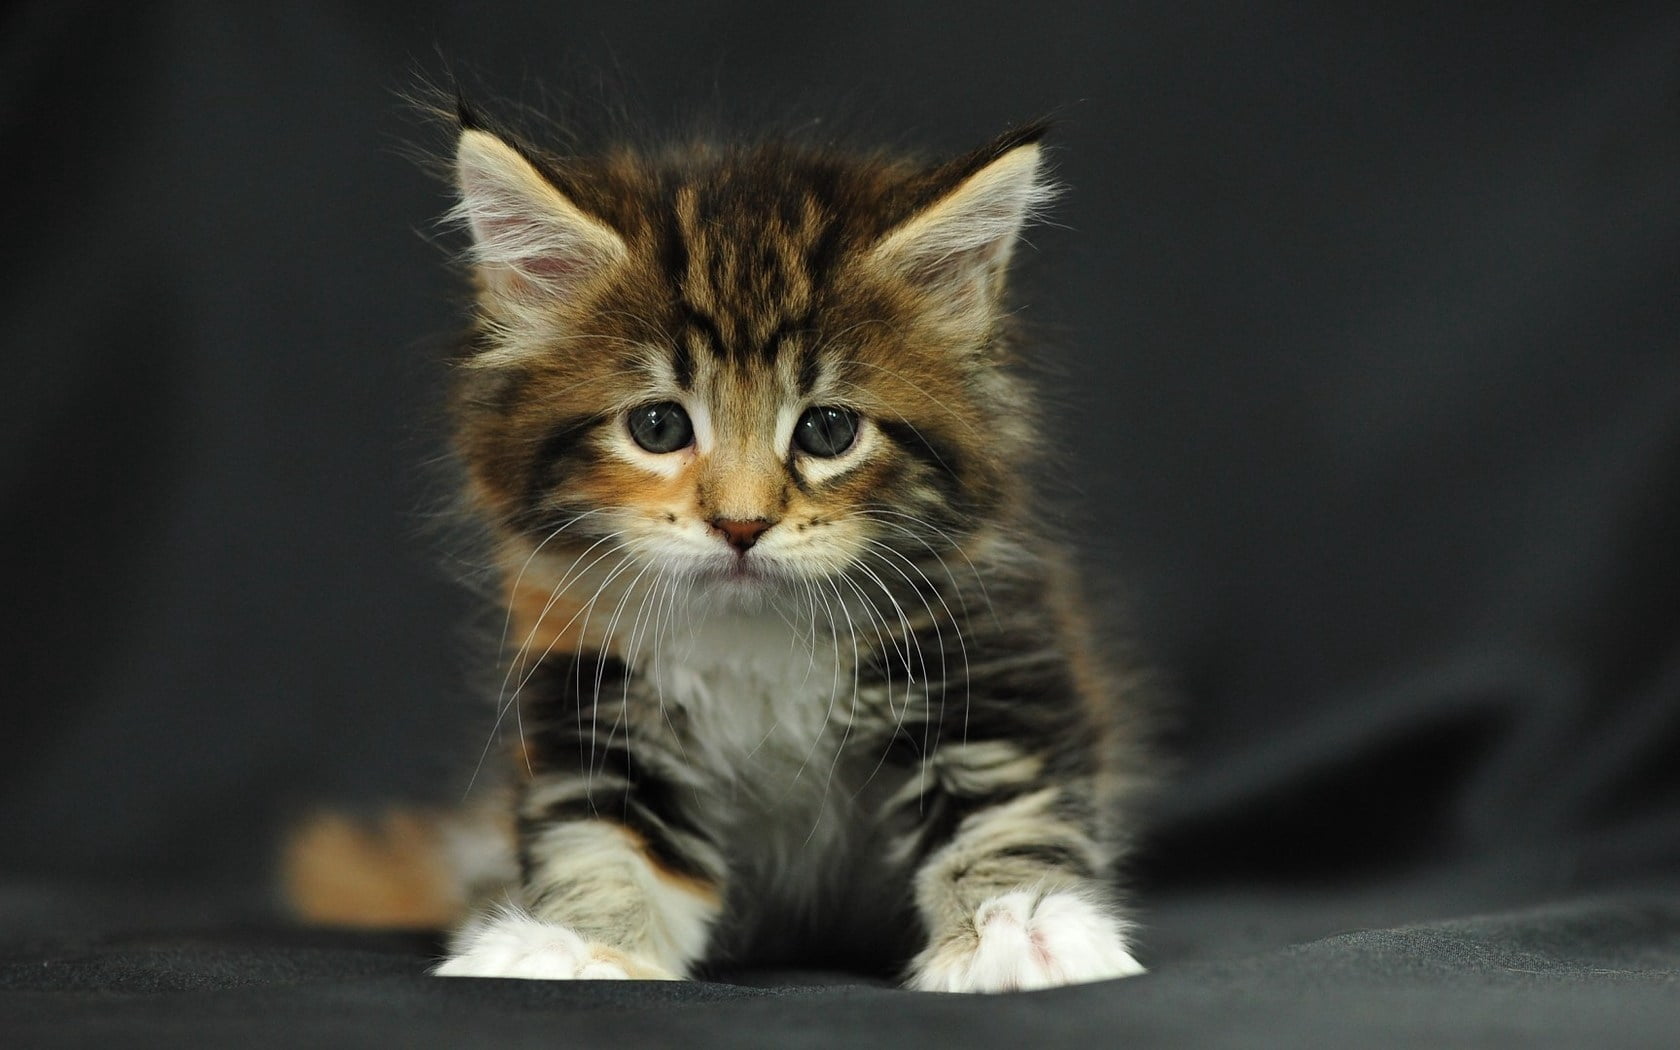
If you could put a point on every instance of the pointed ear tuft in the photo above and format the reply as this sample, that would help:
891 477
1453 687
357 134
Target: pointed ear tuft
529 240
466 114
958 247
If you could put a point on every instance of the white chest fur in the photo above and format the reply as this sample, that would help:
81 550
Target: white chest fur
755 691
764 714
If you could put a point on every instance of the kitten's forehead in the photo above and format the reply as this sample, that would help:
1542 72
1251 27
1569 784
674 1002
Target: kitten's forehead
753 394
745 263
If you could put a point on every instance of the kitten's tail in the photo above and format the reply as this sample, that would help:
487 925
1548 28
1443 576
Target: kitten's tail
405 869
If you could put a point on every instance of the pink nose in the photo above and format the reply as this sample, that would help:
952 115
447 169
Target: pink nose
741 534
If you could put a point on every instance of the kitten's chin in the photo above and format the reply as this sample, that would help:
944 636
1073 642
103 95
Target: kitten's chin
742 585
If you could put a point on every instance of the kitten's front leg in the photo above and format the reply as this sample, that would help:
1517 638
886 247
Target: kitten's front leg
615 888
1015 900
596 906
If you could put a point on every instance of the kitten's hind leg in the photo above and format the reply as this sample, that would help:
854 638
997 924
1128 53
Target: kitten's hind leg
1015 901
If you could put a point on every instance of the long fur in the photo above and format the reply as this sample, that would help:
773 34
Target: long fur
876 733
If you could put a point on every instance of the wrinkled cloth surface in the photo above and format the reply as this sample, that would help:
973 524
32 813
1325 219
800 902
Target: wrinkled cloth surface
1361 339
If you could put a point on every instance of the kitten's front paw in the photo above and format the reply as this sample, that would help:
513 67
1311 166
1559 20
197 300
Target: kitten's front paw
514 944
1023 940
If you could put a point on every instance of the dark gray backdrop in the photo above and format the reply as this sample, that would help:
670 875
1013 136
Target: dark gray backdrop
1361 328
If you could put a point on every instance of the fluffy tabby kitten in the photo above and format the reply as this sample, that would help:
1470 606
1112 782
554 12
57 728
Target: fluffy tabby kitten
799 673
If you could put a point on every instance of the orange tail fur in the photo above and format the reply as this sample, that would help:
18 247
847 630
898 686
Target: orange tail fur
407 869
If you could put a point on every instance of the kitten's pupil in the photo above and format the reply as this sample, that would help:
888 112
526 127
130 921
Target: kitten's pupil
661 427
826 431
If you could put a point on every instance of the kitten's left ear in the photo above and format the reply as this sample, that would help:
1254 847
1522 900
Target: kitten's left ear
957 248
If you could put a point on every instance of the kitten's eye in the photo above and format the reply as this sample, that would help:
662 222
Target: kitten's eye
661 427
825 430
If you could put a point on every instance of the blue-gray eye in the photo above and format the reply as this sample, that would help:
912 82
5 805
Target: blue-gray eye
661 427
825 430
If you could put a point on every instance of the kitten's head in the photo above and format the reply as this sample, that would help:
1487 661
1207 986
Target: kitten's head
742 367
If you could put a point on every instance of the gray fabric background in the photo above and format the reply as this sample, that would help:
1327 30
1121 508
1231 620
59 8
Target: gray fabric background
1361 328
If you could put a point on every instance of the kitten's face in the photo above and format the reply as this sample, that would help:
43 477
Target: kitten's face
751 473
742 478
746 374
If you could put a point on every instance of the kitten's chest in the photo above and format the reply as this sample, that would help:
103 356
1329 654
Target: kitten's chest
746 694
789 745
784 739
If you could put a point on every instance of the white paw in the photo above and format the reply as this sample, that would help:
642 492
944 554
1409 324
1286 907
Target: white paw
1023 940
511 943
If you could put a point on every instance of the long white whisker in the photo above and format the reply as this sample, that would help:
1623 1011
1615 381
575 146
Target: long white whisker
566 580
504 702
937 593
851 718
610 634
669 614
586 610
878 619
910 639
875 513
834 688
536 664
519 577
933 726
649 606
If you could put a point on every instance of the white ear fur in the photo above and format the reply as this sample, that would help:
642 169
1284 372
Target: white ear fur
959 247
528 238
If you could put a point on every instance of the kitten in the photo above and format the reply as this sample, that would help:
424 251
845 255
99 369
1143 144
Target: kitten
799 673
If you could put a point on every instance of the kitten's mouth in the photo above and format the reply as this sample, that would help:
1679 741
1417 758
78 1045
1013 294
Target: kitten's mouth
739 571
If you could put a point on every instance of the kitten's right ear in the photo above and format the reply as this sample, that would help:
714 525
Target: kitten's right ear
529 240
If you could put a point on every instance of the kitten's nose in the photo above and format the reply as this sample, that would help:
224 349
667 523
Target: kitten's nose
741 534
